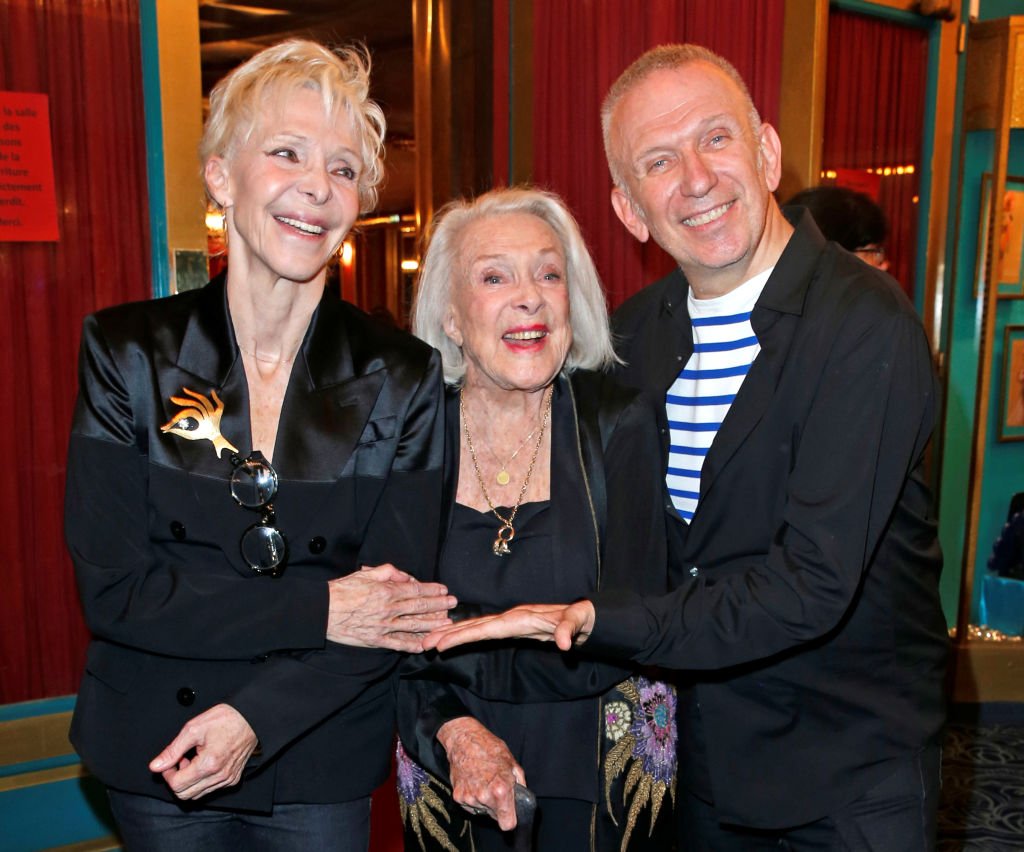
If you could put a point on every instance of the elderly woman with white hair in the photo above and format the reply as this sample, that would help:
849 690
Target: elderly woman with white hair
553 491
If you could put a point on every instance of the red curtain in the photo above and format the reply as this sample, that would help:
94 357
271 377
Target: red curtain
580 47
85 55
874 119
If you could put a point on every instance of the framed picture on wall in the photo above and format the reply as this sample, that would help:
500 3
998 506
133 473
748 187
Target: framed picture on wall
1011 421
1010 267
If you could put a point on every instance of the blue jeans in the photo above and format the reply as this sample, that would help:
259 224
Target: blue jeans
897 815
153 825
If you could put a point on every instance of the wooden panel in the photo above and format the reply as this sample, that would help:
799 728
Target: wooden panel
1017 80
993 47
102 844
472 73
181 99
432 105
983 39
986 62
988 671
802 104
34 738
42 776
521 100
48 800
942 147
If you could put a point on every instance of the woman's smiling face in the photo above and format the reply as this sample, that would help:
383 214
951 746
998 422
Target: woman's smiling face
510 303
290 192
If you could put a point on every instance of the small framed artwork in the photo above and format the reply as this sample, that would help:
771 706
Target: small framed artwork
1011 422
190 271
1010 266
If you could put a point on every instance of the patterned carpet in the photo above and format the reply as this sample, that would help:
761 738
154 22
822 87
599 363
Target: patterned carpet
982 805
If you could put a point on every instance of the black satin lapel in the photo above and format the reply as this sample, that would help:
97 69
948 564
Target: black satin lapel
208 345
205 362
319 428
673 335
316 439
670 338
328 400
452 435
199 458
573 543
753 398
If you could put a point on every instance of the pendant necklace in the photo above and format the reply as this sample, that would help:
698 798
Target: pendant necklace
502 477
506 532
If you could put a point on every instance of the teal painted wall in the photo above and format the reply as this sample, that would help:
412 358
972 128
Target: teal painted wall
52 814
1003 474
954 433
1004 461
962 370
990 9
154 148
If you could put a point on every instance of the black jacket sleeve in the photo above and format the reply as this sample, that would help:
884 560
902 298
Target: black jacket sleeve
859 445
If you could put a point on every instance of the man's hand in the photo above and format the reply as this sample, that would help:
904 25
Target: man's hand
383 607
483 771
223 742
565 624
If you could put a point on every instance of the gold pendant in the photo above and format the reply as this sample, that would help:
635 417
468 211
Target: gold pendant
502 477
505 535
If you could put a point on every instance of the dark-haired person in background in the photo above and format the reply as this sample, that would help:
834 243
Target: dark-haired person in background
849 218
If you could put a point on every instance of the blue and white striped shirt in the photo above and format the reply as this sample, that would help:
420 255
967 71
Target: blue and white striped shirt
724 347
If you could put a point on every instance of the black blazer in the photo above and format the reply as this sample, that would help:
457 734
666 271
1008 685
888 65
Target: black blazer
180 622
808 607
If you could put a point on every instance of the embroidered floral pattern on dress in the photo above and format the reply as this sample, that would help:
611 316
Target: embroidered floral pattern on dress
418 804
655 729
645 751
617 720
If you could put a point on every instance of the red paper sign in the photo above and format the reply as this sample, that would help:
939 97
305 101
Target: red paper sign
28 206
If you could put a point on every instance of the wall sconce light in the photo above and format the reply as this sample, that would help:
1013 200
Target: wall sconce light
348 253
410 265
214 220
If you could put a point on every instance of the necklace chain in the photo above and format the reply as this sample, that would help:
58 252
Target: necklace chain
263 359
502 477
506 532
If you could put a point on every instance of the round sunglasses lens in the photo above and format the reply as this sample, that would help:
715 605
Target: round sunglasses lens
253 483
263 548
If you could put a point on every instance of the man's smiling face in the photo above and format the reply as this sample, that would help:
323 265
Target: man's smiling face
698 176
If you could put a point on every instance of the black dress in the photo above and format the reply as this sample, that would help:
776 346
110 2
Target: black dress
597 742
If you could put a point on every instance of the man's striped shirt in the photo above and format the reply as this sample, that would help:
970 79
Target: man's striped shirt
724 347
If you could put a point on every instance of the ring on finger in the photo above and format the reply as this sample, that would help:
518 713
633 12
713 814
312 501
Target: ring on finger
478 811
